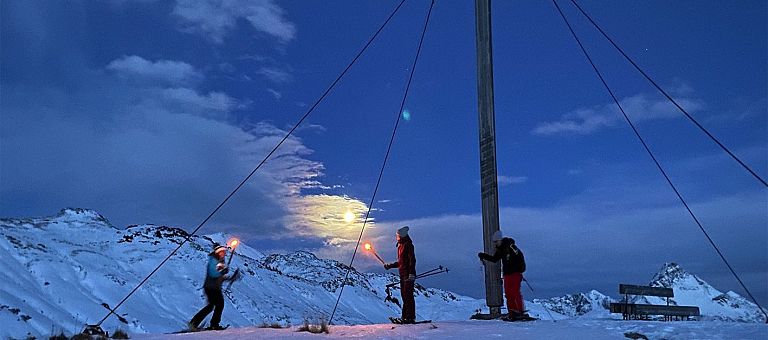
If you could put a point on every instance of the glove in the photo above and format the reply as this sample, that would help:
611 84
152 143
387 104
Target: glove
480 255
386 266
224 271
235 276
411 278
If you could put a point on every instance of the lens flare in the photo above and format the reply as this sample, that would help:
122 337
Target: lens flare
406 115
349 216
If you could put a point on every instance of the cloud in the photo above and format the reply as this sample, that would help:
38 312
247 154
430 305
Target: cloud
639 107
507 180
323 216
214 18
165 71
156 152
170 84
274 93
193 101
574 247
276 75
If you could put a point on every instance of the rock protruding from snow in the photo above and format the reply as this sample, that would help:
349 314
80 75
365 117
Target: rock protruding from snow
593 304
81 215
303 265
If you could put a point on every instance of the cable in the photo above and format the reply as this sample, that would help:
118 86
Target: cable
645 145
384 163
714 139
312 108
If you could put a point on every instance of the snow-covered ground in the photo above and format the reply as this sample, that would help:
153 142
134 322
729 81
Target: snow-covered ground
58 270
563 329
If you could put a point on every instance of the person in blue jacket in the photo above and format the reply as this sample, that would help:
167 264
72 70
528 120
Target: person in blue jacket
215 275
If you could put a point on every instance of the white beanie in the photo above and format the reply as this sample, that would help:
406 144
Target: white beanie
497 236
402 232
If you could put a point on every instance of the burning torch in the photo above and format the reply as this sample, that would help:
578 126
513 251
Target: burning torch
232 245
369 247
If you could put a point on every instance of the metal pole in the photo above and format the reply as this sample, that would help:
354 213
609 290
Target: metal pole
488 186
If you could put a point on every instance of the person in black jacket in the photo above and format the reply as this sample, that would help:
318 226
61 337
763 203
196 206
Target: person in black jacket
513 266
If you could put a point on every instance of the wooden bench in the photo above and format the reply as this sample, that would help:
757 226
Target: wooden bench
633 311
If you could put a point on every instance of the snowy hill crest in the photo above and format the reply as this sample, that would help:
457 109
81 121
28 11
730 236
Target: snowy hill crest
691 290
59 270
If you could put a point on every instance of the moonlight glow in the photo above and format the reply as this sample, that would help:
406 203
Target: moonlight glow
349 216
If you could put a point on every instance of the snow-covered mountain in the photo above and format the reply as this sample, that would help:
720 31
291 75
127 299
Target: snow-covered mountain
593 304
691 290
57 271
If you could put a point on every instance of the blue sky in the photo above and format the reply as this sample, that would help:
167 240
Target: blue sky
152 111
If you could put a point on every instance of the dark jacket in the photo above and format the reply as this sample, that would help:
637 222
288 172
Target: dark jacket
512 259
215 273
406 259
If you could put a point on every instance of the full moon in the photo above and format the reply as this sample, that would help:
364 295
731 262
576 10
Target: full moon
349 216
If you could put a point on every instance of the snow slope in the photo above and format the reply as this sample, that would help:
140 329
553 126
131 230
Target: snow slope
691 290
565 329
57 271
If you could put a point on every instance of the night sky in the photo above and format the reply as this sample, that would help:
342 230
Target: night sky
153 111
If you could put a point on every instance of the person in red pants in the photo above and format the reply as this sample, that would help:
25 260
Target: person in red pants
406 263
513 266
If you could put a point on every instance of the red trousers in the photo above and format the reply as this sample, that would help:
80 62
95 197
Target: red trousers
512 292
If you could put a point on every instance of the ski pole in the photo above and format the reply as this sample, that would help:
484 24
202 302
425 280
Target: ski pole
432 270
543 305
430 274
529 285
423 275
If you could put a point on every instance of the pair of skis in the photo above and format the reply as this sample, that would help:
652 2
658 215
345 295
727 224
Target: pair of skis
524 317
206 329
400 321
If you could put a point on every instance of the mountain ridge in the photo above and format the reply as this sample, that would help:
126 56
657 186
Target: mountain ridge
61 268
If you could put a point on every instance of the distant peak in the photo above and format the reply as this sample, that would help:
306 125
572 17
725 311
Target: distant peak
669 273
69 214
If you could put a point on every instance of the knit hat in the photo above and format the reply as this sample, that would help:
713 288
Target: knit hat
217 248
497 236
402 232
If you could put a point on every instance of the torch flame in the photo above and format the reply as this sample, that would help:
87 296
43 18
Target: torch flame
233 243
368 246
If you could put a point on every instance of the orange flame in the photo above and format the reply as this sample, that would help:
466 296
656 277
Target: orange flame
233 243
368 246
